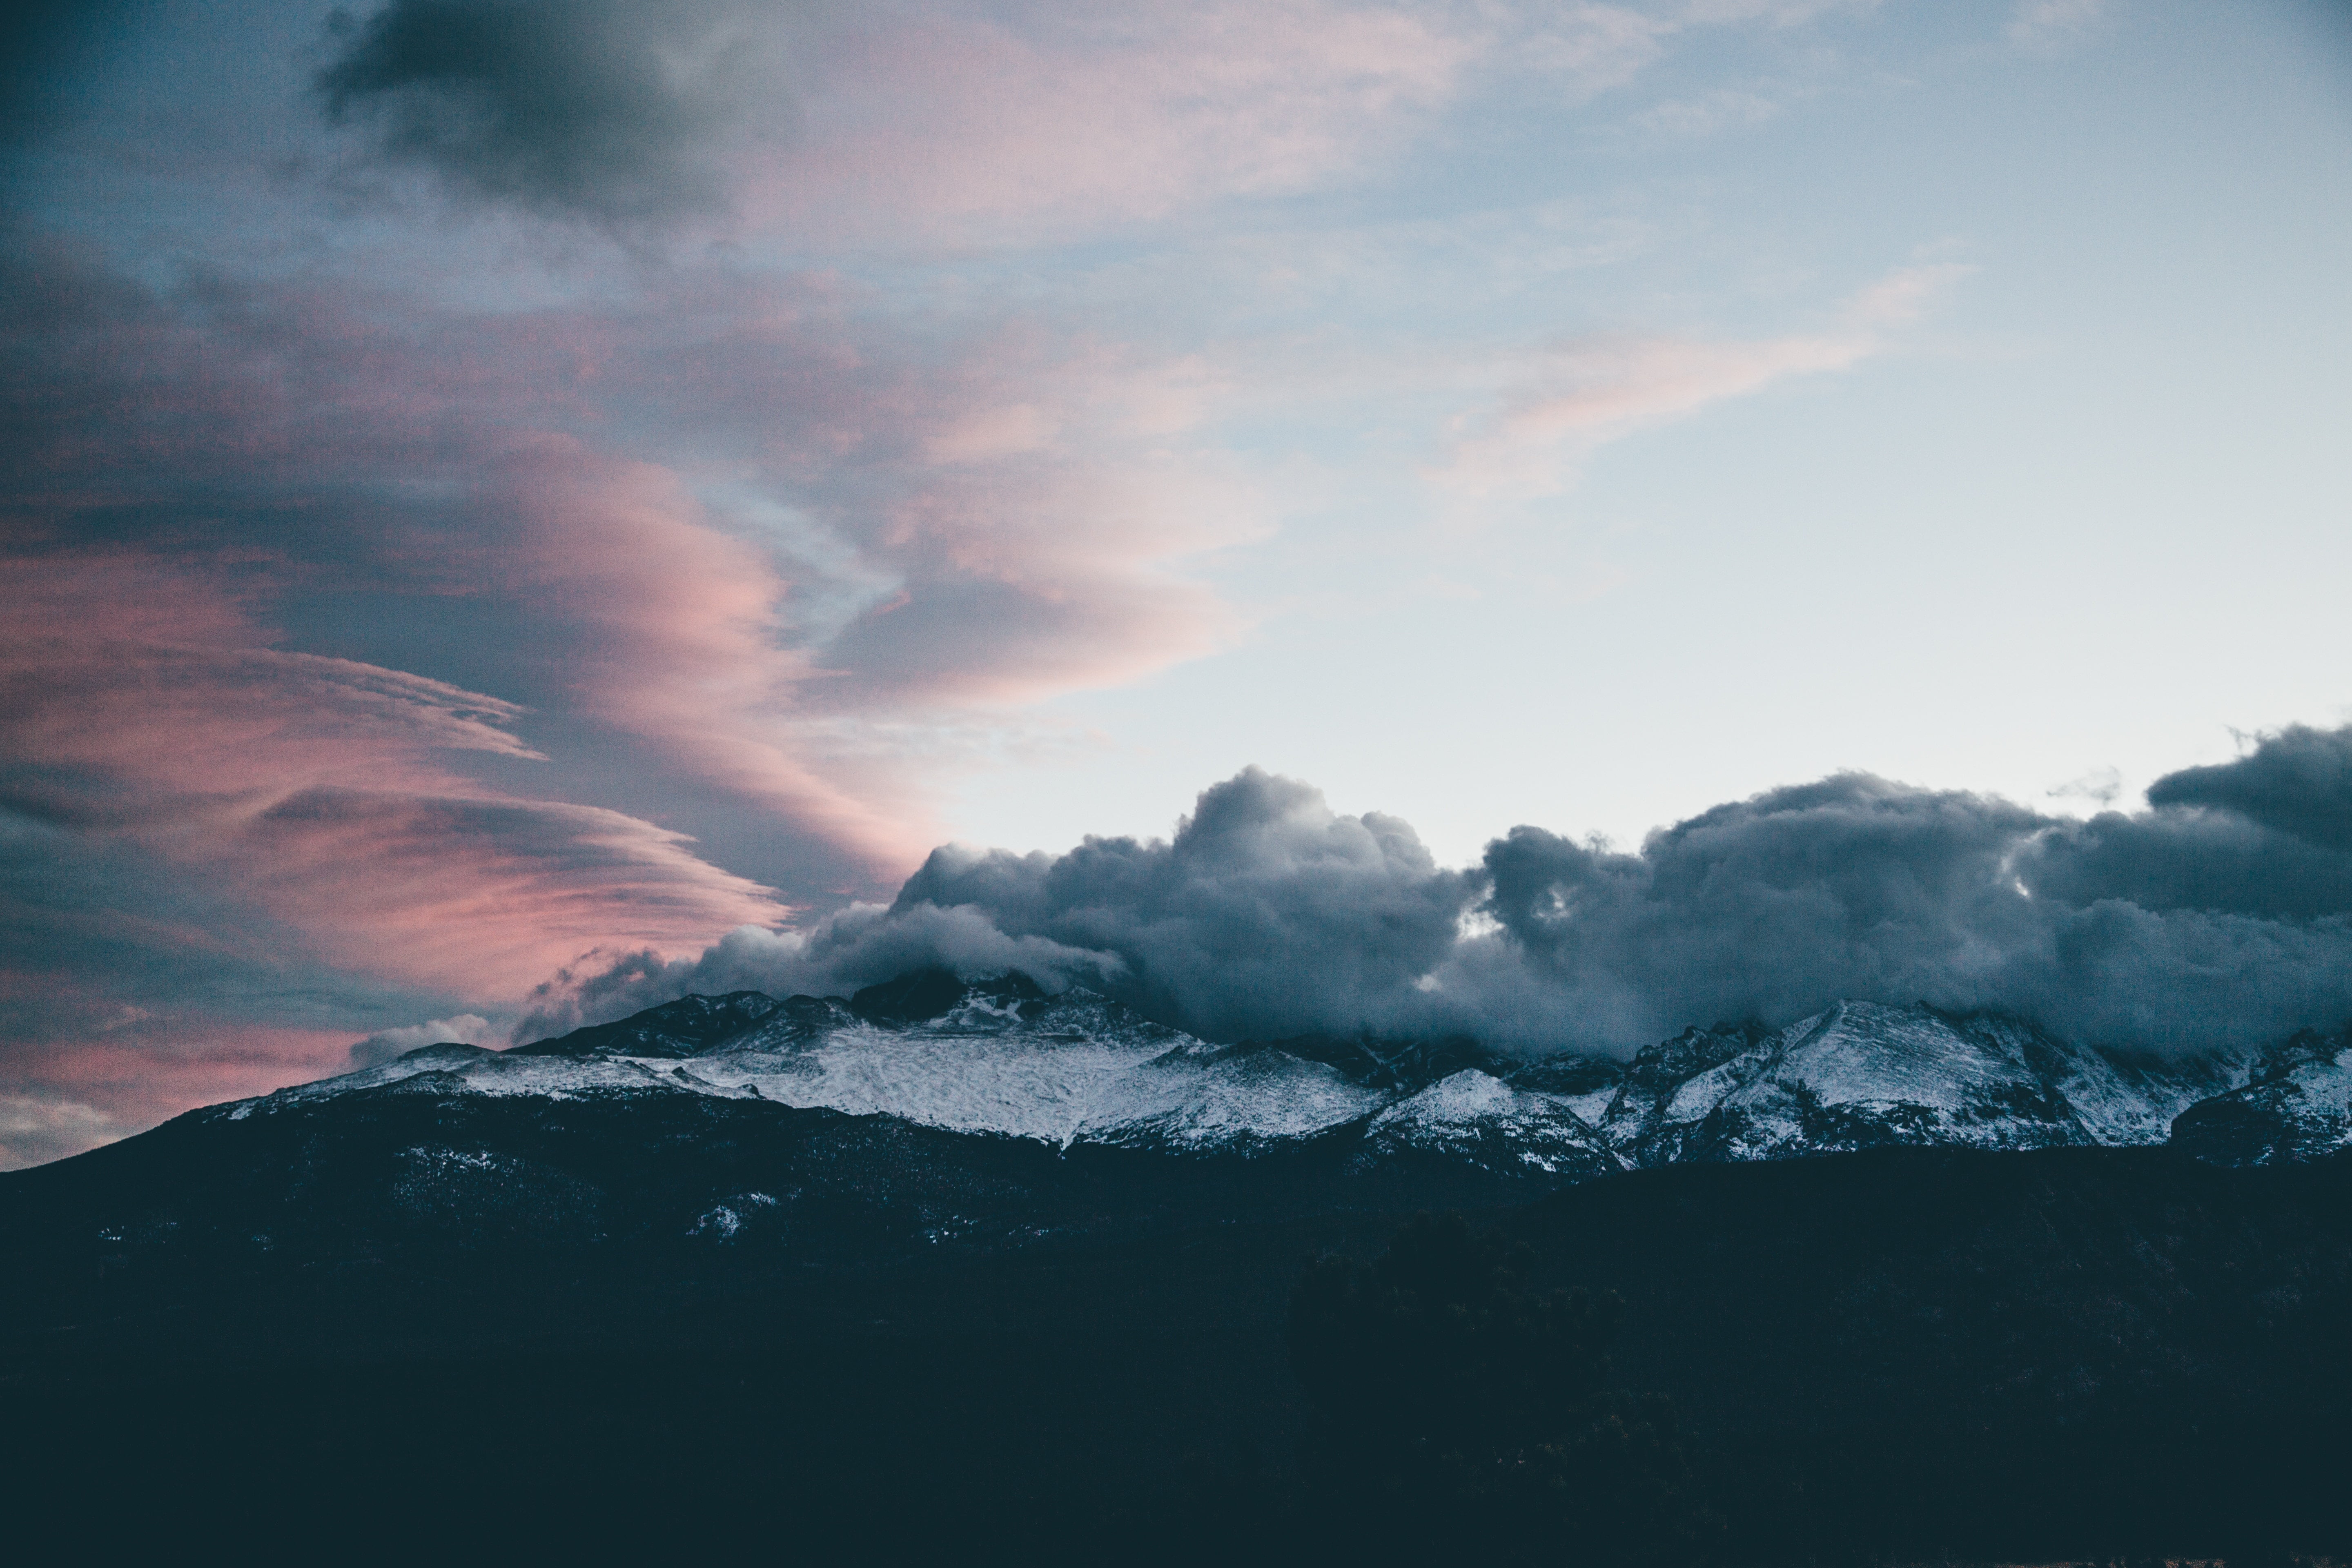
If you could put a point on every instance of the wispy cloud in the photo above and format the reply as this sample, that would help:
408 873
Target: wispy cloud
948 121
2051 24
1576 396
142 710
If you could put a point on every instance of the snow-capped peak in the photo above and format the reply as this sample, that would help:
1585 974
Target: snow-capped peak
1001 1057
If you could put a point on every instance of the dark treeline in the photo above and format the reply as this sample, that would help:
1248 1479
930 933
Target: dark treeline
1908 1356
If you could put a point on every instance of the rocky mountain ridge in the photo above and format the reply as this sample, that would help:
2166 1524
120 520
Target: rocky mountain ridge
749 1139
1000 1057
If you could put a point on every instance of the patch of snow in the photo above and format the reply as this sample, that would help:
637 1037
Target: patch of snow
1470 1113
1870 1054
724 1221
1591 1107
1052 1080
483 1072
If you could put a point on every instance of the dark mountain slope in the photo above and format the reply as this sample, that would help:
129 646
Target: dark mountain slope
612 1190
2063 1352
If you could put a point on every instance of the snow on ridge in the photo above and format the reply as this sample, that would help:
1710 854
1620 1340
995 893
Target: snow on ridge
1202 1096
1860 1073
488 1073
957 1078
1472 1114
1064 1070
1081 1068
1076 1069
1869 1053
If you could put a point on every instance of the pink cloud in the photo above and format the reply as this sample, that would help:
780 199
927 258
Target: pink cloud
121 662
478 894
66 1096
1113 113
1584 393
600 481
950 124
315 788
593 489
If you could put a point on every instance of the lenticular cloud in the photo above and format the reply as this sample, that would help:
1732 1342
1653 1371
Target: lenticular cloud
2220 916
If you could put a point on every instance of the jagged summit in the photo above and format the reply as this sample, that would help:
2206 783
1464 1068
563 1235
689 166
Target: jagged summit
1859 1075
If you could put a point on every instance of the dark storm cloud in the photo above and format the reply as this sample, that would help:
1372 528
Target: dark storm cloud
1268 913
1850 886
2169 929
2179 859
2220 916
602 108
2267 835
2297 782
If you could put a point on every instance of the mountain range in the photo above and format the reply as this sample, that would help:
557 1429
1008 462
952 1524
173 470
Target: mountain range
747 1130
999 1057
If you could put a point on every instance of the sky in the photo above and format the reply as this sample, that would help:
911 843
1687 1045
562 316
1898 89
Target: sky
1555 522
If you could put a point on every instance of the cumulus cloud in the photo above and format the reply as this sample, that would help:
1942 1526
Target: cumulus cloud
2220 916
1266 913
2162 930
2297 782
604 108
859 945
1849 886
385 1044
2192 924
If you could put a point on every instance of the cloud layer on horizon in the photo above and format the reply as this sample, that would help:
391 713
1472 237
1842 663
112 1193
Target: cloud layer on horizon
2219 918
